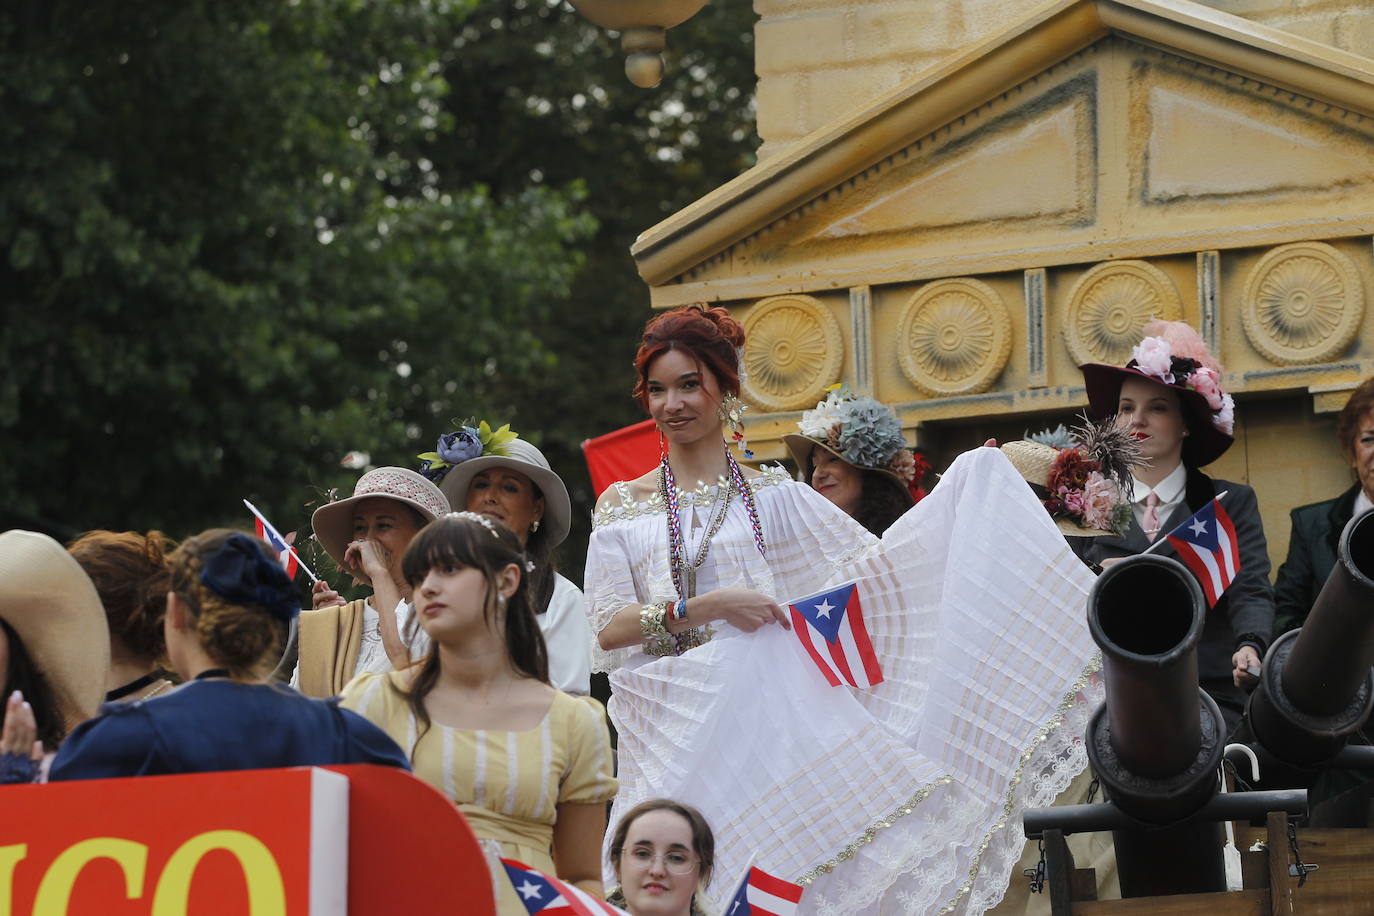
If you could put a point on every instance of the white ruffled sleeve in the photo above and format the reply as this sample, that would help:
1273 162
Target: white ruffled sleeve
610 588
568 638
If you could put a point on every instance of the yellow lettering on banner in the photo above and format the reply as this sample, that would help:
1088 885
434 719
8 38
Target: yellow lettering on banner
266 892
10 856
55 890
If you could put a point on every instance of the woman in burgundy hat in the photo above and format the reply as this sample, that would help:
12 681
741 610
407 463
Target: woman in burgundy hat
1170 396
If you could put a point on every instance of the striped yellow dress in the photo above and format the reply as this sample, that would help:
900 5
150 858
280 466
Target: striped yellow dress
507 784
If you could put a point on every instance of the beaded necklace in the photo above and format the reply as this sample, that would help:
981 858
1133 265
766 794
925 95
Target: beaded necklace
684 576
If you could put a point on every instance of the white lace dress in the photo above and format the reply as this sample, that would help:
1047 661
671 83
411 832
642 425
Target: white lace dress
903 798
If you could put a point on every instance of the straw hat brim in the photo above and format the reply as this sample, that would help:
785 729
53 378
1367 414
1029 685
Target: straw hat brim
53 607
557 505
802 447
333 522
1204 443
1033 461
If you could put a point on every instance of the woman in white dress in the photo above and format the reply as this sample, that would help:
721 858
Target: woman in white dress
497 474
901 797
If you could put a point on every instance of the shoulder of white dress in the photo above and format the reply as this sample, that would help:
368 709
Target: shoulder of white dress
770 475
609 512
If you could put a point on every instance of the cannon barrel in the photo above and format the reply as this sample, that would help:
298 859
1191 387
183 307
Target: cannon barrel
1157 743
1317 686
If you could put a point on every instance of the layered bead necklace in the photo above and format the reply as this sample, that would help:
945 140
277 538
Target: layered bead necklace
685 572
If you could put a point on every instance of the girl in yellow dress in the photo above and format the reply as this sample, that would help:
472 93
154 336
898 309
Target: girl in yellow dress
528 765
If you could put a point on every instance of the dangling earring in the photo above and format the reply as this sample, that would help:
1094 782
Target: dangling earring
662 447
731 413
534 525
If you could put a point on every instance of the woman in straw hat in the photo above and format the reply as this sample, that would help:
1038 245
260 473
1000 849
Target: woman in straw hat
131 575
1169 396
901 795
497 474
851 450
54 651
228 614
366 535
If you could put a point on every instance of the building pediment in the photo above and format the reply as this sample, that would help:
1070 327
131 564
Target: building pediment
1090 130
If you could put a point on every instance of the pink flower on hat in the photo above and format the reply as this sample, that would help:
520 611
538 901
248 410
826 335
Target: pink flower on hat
1208 384
1153 356
1099 500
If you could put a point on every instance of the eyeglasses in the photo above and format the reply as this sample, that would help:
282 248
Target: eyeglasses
677 863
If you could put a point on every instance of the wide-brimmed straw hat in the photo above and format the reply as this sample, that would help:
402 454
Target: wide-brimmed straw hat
1174 356
1034 461
333 523
524 458
52 605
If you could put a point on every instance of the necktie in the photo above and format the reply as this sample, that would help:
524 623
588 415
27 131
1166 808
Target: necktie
1151 525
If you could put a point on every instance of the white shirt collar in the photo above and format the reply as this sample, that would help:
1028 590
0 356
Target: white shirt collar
1362 502
1169 490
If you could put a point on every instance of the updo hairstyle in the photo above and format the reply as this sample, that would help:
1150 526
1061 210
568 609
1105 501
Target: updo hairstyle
708 335
244 638
132 576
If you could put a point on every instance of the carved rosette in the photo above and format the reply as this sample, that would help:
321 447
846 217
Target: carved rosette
954 337
1109 306
793 351
1303 304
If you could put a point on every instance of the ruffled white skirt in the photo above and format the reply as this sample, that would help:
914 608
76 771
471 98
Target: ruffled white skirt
906 797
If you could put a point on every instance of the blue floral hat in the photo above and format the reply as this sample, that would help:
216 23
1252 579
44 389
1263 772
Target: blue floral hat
858 430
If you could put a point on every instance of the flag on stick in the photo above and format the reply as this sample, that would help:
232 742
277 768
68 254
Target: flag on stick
546 896
762 894
831 629
286 554
1207 544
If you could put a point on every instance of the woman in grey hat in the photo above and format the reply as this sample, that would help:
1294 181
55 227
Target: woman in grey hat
497 474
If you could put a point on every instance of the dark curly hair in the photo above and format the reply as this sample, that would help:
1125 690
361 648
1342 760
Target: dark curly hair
23 675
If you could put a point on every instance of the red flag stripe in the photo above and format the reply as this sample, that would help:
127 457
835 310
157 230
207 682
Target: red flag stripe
856 621
774 885
803 630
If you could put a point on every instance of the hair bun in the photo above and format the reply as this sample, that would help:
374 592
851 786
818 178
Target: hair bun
726 325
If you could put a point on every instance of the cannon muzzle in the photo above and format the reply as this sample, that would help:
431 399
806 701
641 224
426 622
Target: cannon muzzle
1157 743
1317 686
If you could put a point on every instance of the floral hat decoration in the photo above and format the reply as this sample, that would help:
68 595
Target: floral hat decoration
1081 477
862 432
463 444
1174 355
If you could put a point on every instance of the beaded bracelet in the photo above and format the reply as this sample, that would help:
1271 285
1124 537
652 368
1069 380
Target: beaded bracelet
679 611
657 640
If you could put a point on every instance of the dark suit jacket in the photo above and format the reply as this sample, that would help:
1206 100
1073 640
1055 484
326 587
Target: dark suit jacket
1245 613
1311 557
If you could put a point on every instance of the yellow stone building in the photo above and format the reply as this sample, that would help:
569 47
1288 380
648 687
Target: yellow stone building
959 201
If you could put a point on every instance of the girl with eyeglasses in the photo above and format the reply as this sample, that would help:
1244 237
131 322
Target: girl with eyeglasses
662 853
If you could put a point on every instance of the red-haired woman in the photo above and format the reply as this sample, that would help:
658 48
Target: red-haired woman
1316 528
886 797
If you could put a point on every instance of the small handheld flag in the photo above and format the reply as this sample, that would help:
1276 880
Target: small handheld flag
1207 544
546 896
286 554
762 894
831 629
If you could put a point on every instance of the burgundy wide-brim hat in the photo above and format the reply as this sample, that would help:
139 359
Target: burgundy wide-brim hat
1204 443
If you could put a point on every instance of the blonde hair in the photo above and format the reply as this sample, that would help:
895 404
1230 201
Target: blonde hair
245 639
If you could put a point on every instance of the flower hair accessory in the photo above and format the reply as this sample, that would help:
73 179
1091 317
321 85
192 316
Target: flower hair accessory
1155 357
463 444
862 431
479 519
239 571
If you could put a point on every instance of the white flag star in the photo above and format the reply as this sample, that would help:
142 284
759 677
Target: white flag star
824 608
529 890
1199 527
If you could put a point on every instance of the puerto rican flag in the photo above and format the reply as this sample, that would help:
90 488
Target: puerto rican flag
831 629
546 896
762 894
285 554
1207 544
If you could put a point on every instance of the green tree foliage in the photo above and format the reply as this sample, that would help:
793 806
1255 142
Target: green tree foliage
229 260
